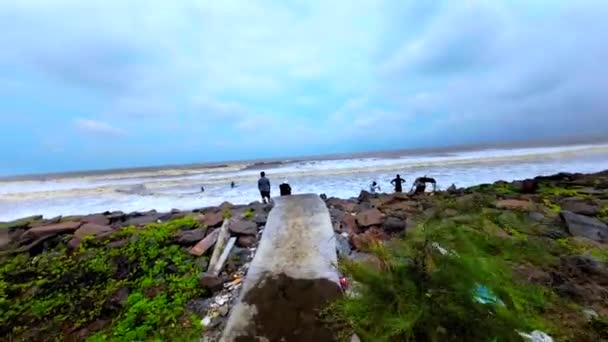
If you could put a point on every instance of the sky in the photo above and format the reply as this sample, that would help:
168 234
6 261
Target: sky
122 83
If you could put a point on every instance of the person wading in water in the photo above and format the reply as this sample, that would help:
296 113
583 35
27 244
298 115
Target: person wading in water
397 182
264 187
285 188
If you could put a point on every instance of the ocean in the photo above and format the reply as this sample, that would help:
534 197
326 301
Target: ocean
166 188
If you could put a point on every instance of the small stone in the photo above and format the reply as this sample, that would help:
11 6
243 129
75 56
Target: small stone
246 241
206 321
590 314
223 310
342 245
211 282
73 243
118 244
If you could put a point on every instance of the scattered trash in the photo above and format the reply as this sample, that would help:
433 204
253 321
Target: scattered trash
590 314
206 321
440 249
355 338
343 283
345 234
536 336
443 251
484 296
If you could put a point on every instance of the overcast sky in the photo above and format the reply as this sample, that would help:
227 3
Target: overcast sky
118 83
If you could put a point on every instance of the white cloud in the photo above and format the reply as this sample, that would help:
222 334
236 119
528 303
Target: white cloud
97 127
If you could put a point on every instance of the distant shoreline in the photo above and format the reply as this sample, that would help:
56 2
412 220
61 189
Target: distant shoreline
253 164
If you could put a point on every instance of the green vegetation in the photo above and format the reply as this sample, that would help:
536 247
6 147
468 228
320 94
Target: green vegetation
58 293
424 288
249 213
227 213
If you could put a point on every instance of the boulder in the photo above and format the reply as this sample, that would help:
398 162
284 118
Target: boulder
20 223
73 243
53 229
243 227
98 219
118 243
394 224
213 283
202 246
46 222
92 229
370 217
348 224
588 227
5 238
190 237
213 219
581 207
342 245
514 204
528 186
260 218
363 242
246 241
116 216
365 196
341 204
142 220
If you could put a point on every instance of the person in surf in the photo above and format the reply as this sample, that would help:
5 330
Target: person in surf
285 188
374 187
264 187
397 182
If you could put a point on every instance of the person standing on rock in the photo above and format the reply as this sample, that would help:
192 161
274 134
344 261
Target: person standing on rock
285 188
264 187
397 182
374 187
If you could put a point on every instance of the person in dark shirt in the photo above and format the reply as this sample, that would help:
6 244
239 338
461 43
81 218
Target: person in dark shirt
397 182
264 187
232 185
285 189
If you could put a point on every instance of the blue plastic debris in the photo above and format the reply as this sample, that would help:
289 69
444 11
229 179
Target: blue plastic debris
483 295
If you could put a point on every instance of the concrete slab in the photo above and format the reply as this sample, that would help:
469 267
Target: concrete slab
292 276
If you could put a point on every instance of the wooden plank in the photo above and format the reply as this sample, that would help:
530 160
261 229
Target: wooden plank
217 268
224 235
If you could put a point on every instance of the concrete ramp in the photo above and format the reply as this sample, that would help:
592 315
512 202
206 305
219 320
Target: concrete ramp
291 277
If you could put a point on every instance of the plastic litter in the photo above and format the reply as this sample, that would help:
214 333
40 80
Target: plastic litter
483 295
536 336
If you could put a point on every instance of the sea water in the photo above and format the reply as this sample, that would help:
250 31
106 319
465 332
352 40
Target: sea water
168 188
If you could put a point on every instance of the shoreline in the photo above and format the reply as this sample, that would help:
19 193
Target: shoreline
164 215
551 231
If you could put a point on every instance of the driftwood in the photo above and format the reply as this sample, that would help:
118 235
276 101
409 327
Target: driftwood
216 268
223 237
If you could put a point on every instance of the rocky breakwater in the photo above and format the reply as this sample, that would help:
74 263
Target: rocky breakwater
128 275
544 242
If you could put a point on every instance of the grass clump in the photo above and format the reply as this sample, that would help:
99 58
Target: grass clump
56 294
422 293
249 213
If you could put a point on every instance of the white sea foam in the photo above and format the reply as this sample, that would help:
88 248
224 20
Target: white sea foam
180 188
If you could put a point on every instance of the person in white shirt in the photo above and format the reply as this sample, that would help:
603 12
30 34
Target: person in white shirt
374 187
